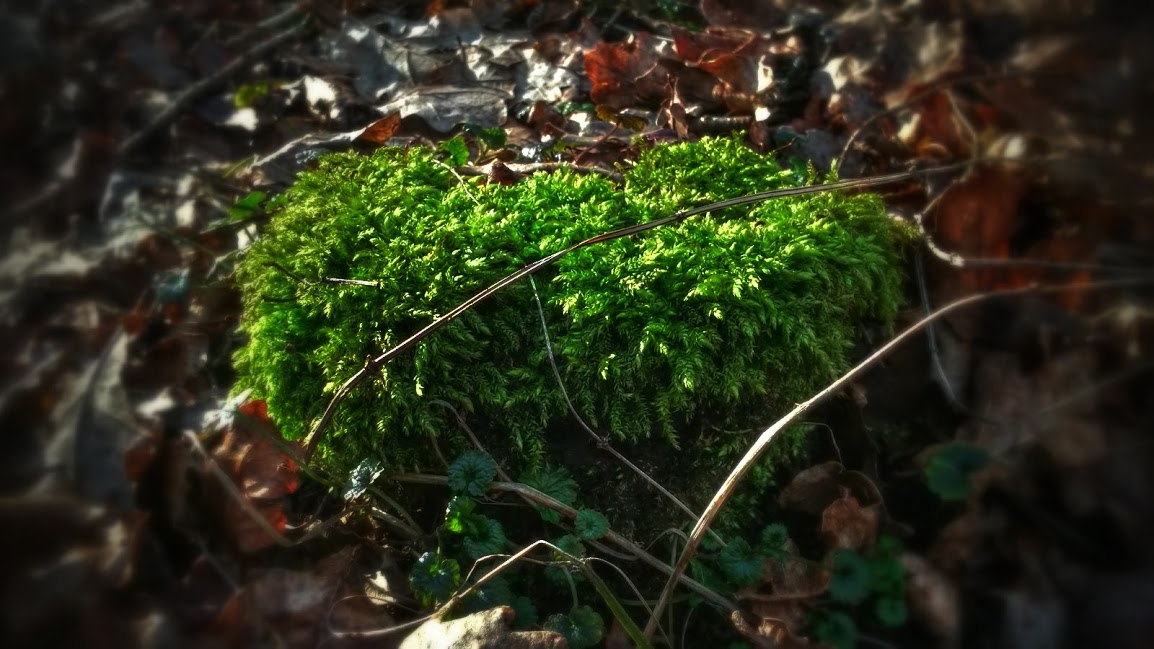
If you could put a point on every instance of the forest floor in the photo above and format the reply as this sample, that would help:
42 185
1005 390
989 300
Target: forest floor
144 507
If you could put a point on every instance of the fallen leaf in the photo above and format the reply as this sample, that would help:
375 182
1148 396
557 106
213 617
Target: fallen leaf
262 471
813 489
381 130
846 524
626 74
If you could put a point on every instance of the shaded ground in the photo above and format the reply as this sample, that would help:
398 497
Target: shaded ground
141 508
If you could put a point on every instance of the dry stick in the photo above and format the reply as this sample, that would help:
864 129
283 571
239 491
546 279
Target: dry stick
556 505
602 442
751 456
374 364
198 89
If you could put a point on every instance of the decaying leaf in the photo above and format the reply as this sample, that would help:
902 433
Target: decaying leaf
846 524
249 455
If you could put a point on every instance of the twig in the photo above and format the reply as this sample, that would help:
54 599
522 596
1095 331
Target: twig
323 280
373 365
755 451
545 501
198 89
601 442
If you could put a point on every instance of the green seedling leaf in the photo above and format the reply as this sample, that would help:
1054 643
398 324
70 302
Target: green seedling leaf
472 473
582 627
948 471
361 477
434 579
489 539
887 546
567 546
460 516
495 592
246 206
590 525
556 483
741 564
892 611
774 539
850 578
457 149
837 629
888 576
492 138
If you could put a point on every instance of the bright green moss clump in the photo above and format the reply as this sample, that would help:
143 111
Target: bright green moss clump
719 323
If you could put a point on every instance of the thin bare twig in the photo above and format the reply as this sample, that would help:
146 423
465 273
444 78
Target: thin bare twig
200 88
750 458
374 364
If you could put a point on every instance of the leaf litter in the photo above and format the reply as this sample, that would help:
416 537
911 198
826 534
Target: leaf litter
119 314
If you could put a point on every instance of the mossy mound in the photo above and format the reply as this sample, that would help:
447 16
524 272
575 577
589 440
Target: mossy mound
719 323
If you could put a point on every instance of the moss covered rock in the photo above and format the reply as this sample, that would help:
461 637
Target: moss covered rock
674 338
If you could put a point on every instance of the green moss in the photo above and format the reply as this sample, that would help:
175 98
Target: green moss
717 324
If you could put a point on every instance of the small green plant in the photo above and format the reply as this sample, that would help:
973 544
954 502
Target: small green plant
950 467
877 581
467 534
716 324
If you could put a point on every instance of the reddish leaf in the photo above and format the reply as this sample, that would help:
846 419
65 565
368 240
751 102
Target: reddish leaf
846 524
625 74
381 130
264 473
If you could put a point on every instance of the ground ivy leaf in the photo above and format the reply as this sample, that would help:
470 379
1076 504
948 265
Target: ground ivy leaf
590 524
457 149
459 517
740 563
472 473
556 483
850 578
891 611
489 539
774 539
948 471
434 578
582 627
837 629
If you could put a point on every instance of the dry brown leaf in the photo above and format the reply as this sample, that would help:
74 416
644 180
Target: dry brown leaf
627 74
381 130
846 524
261 470
813 489
768 632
